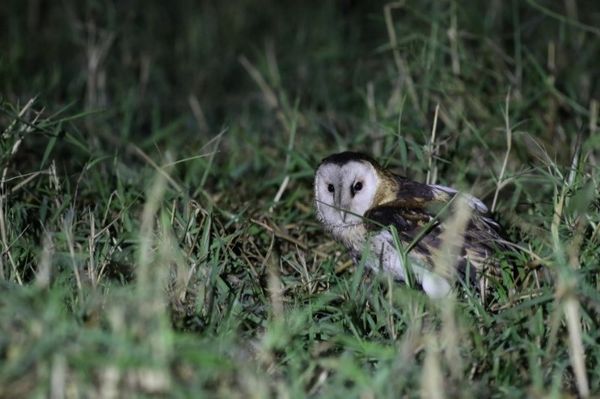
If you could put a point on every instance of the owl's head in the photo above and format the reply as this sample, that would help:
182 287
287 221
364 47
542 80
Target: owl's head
345 188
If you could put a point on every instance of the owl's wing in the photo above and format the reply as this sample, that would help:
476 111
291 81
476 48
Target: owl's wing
431 199
418 214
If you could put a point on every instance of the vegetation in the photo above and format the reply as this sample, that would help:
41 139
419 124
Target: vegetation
156 221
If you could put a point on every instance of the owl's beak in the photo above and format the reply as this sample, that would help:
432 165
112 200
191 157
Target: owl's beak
344 211
337 201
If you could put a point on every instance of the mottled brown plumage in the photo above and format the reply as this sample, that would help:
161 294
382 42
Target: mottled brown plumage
413 207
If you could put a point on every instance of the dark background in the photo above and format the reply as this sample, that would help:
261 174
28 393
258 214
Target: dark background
151 56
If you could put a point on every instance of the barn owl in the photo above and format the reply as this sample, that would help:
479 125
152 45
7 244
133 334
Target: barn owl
358 201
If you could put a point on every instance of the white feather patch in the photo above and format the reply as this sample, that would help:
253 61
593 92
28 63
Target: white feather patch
473 201
385 257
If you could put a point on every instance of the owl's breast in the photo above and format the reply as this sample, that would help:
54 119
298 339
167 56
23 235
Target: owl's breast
353 237
385 256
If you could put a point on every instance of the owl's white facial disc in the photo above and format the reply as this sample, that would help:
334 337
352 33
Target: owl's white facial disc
344 192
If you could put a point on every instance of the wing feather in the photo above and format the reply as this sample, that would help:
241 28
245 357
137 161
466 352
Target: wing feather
419 211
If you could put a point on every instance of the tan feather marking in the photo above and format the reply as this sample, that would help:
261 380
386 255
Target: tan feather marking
386 190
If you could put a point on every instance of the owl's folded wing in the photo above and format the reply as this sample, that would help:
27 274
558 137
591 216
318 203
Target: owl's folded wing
418 230
418 215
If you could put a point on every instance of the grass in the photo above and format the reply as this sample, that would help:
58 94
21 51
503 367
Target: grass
156 220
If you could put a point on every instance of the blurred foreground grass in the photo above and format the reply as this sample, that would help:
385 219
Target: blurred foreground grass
156 218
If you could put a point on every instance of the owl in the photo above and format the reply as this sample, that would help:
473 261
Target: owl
358 202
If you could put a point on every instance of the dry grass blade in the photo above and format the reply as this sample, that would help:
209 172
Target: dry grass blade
452 239
153 203
68 230
593 116
5 244
19 117
198 113
279 193
274 283
508 130
134 148
445 260
401 65
576 350
43 275
432 381
268 93
431 151
280 234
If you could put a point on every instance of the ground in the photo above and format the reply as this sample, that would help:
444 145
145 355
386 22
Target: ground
156 220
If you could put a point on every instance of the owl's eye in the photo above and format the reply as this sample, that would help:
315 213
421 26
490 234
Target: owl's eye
358 186
330 188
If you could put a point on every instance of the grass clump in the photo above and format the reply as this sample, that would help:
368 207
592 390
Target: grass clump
156 221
